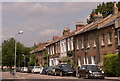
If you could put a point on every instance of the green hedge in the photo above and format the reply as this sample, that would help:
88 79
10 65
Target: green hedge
112 65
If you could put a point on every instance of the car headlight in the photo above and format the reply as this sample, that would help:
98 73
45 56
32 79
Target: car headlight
103 72
90 71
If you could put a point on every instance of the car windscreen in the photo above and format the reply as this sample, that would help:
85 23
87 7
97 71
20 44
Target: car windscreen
90 67
66 66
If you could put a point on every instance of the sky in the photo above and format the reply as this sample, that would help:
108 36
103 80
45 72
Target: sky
40 21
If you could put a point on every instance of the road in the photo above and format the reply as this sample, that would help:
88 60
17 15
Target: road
6 76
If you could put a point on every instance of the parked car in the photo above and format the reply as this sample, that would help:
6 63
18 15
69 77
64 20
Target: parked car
30 69
36 69
45 70
41 69
24 69
65 69
49 70
90 71
18 69
54 70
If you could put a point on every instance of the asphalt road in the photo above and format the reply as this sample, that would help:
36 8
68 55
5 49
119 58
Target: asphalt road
6 76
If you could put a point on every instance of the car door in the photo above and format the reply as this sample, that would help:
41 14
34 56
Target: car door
83 71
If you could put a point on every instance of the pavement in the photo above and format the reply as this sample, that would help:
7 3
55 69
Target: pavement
7 75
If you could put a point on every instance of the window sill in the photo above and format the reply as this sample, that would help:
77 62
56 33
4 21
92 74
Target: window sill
109 44
88 47
103 45
82 48
94 46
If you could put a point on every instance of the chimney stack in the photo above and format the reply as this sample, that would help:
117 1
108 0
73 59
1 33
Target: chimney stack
55 37
79 24
115 8
97 17
66 31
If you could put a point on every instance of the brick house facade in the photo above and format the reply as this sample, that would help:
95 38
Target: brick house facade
89 42
97 39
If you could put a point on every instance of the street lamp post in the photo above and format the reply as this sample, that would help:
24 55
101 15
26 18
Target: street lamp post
20 32
24 59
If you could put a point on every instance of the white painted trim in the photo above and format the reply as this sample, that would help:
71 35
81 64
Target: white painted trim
118 36
109 42
77 44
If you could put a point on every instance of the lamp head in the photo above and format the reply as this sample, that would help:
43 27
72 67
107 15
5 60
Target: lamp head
20 32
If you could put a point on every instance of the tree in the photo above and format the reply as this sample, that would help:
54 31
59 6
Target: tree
32 60
105 9
46 58
8 52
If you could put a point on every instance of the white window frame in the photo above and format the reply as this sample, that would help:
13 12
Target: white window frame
68 44
82 42
118 36
79 62
92 59
48 50
64 45
71 43
56 45
77 43
103 40
86 60
94 44
88 43
53 50
109 38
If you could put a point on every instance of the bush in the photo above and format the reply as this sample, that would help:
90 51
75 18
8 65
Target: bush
112 65
70 53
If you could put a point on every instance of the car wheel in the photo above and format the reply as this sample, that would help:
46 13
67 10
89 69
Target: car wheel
61 73
55 74
103 78
87 76
47 73
78 75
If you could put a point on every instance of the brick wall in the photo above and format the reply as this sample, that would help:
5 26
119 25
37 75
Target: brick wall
107 48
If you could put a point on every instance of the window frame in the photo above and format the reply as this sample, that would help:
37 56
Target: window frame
77 43
109 38
103 40
82 43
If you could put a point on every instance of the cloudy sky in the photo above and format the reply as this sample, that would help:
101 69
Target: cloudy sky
41 20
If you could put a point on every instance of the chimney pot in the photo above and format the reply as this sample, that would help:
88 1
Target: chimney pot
55 37
79 24
115 8
66 31
115 4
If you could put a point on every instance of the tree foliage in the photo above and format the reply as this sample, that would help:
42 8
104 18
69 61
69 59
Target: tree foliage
104 8
46 58
8 53
32 60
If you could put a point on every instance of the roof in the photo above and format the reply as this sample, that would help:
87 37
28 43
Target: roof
63 37
109 20
38 49
88 27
